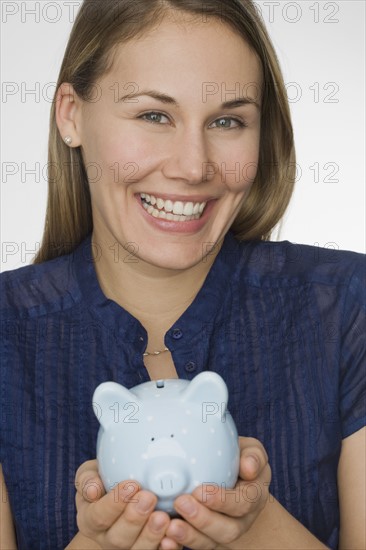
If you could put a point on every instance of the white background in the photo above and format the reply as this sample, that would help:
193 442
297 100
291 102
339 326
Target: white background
321 48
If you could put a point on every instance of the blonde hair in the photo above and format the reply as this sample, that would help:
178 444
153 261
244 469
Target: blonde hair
100 26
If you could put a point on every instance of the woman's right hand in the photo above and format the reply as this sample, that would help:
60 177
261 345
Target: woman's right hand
122 519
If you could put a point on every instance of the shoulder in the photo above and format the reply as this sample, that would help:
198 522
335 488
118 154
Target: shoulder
268 262
38 289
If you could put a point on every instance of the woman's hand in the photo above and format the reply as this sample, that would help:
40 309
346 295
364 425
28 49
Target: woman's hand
215 517
121 519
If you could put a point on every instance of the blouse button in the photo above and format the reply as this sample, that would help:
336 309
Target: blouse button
190 366
177 334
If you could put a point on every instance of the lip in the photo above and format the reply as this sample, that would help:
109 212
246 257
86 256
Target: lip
192 226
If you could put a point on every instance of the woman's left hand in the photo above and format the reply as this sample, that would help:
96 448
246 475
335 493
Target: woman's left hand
215 517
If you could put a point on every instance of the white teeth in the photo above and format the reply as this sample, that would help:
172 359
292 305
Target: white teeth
168 206
196 208
178 208
168 216
160 204
188 209
172 211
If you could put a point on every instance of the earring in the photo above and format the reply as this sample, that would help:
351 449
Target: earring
68 140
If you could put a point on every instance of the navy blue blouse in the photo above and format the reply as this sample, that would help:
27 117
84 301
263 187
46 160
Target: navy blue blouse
283 324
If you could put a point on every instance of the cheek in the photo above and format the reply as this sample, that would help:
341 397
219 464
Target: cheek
239 170
128 157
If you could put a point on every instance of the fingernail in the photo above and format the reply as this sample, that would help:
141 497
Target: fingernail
158 522
252 462
128 490
177 531
187 506
144 504
92 490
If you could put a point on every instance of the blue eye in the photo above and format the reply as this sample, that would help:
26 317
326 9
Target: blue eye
153 117
224 123
227 123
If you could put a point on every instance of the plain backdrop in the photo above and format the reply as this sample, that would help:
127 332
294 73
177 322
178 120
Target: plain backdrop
321 48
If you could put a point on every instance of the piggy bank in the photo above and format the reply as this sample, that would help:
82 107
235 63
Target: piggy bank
169 435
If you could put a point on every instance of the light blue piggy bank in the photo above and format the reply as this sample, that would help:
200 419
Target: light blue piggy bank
169 435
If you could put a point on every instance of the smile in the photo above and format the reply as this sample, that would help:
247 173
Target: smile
172 211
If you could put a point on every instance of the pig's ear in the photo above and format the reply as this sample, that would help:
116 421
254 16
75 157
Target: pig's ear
206 387
113 403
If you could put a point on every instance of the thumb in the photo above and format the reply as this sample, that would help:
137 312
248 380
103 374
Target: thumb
249 466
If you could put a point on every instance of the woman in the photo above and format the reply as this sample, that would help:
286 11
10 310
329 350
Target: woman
156 264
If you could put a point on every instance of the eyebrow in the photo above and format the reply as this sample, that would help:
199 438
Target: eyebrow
164 98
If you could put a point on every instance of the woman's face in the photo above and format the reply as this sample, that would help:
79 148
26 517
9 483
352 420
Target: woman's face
169 174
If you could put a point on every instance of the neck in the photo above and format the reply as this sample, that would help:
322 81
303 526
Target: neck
155 296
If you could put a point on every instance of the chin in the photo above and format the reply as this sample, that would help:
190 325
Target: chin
174 261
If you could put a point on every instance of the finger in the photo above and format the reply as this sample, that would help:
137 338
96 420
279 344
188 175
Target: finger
253 458
89 465
237 502
125 531
87 481
153 532
247 443
215 497
169 544
203 526
250 466
186 534
101 515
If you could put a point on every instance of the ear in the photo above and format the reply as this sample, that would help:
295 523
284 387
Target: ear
207 387
68 112
111 403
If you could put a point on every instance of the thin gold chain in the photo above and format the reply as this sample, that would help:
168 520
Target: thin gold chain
155 352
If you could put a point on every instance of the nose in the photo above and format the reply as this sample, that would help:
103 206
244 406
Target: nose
167 481
188 158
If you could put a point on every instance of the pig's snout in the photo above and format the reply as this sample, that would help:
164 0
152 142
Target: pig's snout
168 477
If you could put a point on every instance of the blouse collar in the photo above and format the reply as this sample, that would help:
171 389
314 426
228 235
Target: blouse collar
194 319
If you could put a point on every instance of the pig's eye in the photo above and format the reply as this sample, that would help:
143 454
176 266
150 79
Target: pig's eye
172 435
153 439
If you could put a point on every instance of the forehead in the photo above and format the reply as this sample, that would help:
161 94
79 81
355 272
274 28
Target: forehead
186 56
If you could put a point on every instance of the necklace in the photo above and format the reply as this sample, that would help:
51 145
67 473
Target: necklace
155 352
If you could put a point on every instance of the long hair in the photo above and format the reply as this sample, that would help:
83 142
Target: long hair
100 27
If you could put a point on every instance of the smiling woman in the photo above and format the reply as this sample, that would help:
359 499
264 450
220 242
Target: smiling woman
170 147
114 59
172 122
